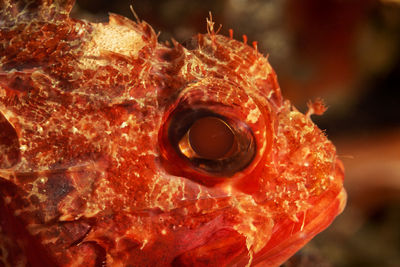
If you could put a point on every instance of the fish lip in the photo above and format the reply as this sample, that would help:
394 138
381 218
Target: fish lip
279 253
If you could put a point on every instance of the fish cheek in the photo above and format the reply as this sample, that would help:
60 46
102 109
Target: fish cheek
9 145
14 236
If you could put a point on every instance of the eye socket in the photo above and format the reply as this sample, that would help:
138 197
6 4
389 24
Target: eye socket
210 142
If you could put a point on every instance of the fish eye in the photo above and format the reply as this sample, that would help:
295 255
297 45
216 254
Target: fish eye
209 138
210 142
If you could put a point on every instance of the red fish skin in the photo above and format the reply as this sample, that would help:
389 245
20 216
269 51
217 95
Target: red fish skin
89 172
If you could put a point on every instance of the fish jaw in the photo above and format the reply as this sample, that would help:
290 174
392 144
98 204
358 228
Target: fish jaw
311 222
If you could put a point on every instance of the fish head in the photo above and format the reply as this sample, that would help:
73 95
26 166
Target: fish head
118 149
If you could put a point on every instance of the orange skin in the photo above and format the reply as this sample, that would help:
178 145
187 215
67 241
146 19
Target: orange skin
92 169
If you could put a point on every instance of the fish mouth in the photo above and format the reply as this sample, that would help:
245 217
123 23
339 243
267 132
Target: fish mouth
289 236
233 250
286 238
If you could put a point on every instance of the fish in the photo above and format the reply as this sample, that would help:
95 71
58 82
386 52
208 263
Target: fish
120 150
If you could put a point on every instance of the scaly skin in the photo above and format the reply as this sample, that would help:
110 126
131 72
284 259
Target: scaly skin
89 175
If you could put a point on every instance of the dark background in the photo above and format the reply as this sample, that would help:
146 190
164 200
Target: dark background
348 53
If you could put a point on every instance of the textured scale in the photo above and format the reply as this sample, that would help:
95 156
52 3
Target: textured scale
90 177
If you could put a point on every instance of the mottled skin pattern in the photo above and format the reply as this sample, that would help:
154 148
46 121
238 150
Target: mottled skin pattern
88 176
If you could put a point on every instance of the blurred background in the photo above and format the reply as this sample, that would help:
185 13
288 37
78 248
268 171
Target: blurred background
348 53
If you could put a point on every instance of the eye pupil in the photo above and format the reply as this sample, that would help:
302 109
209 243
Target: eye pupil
211 138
